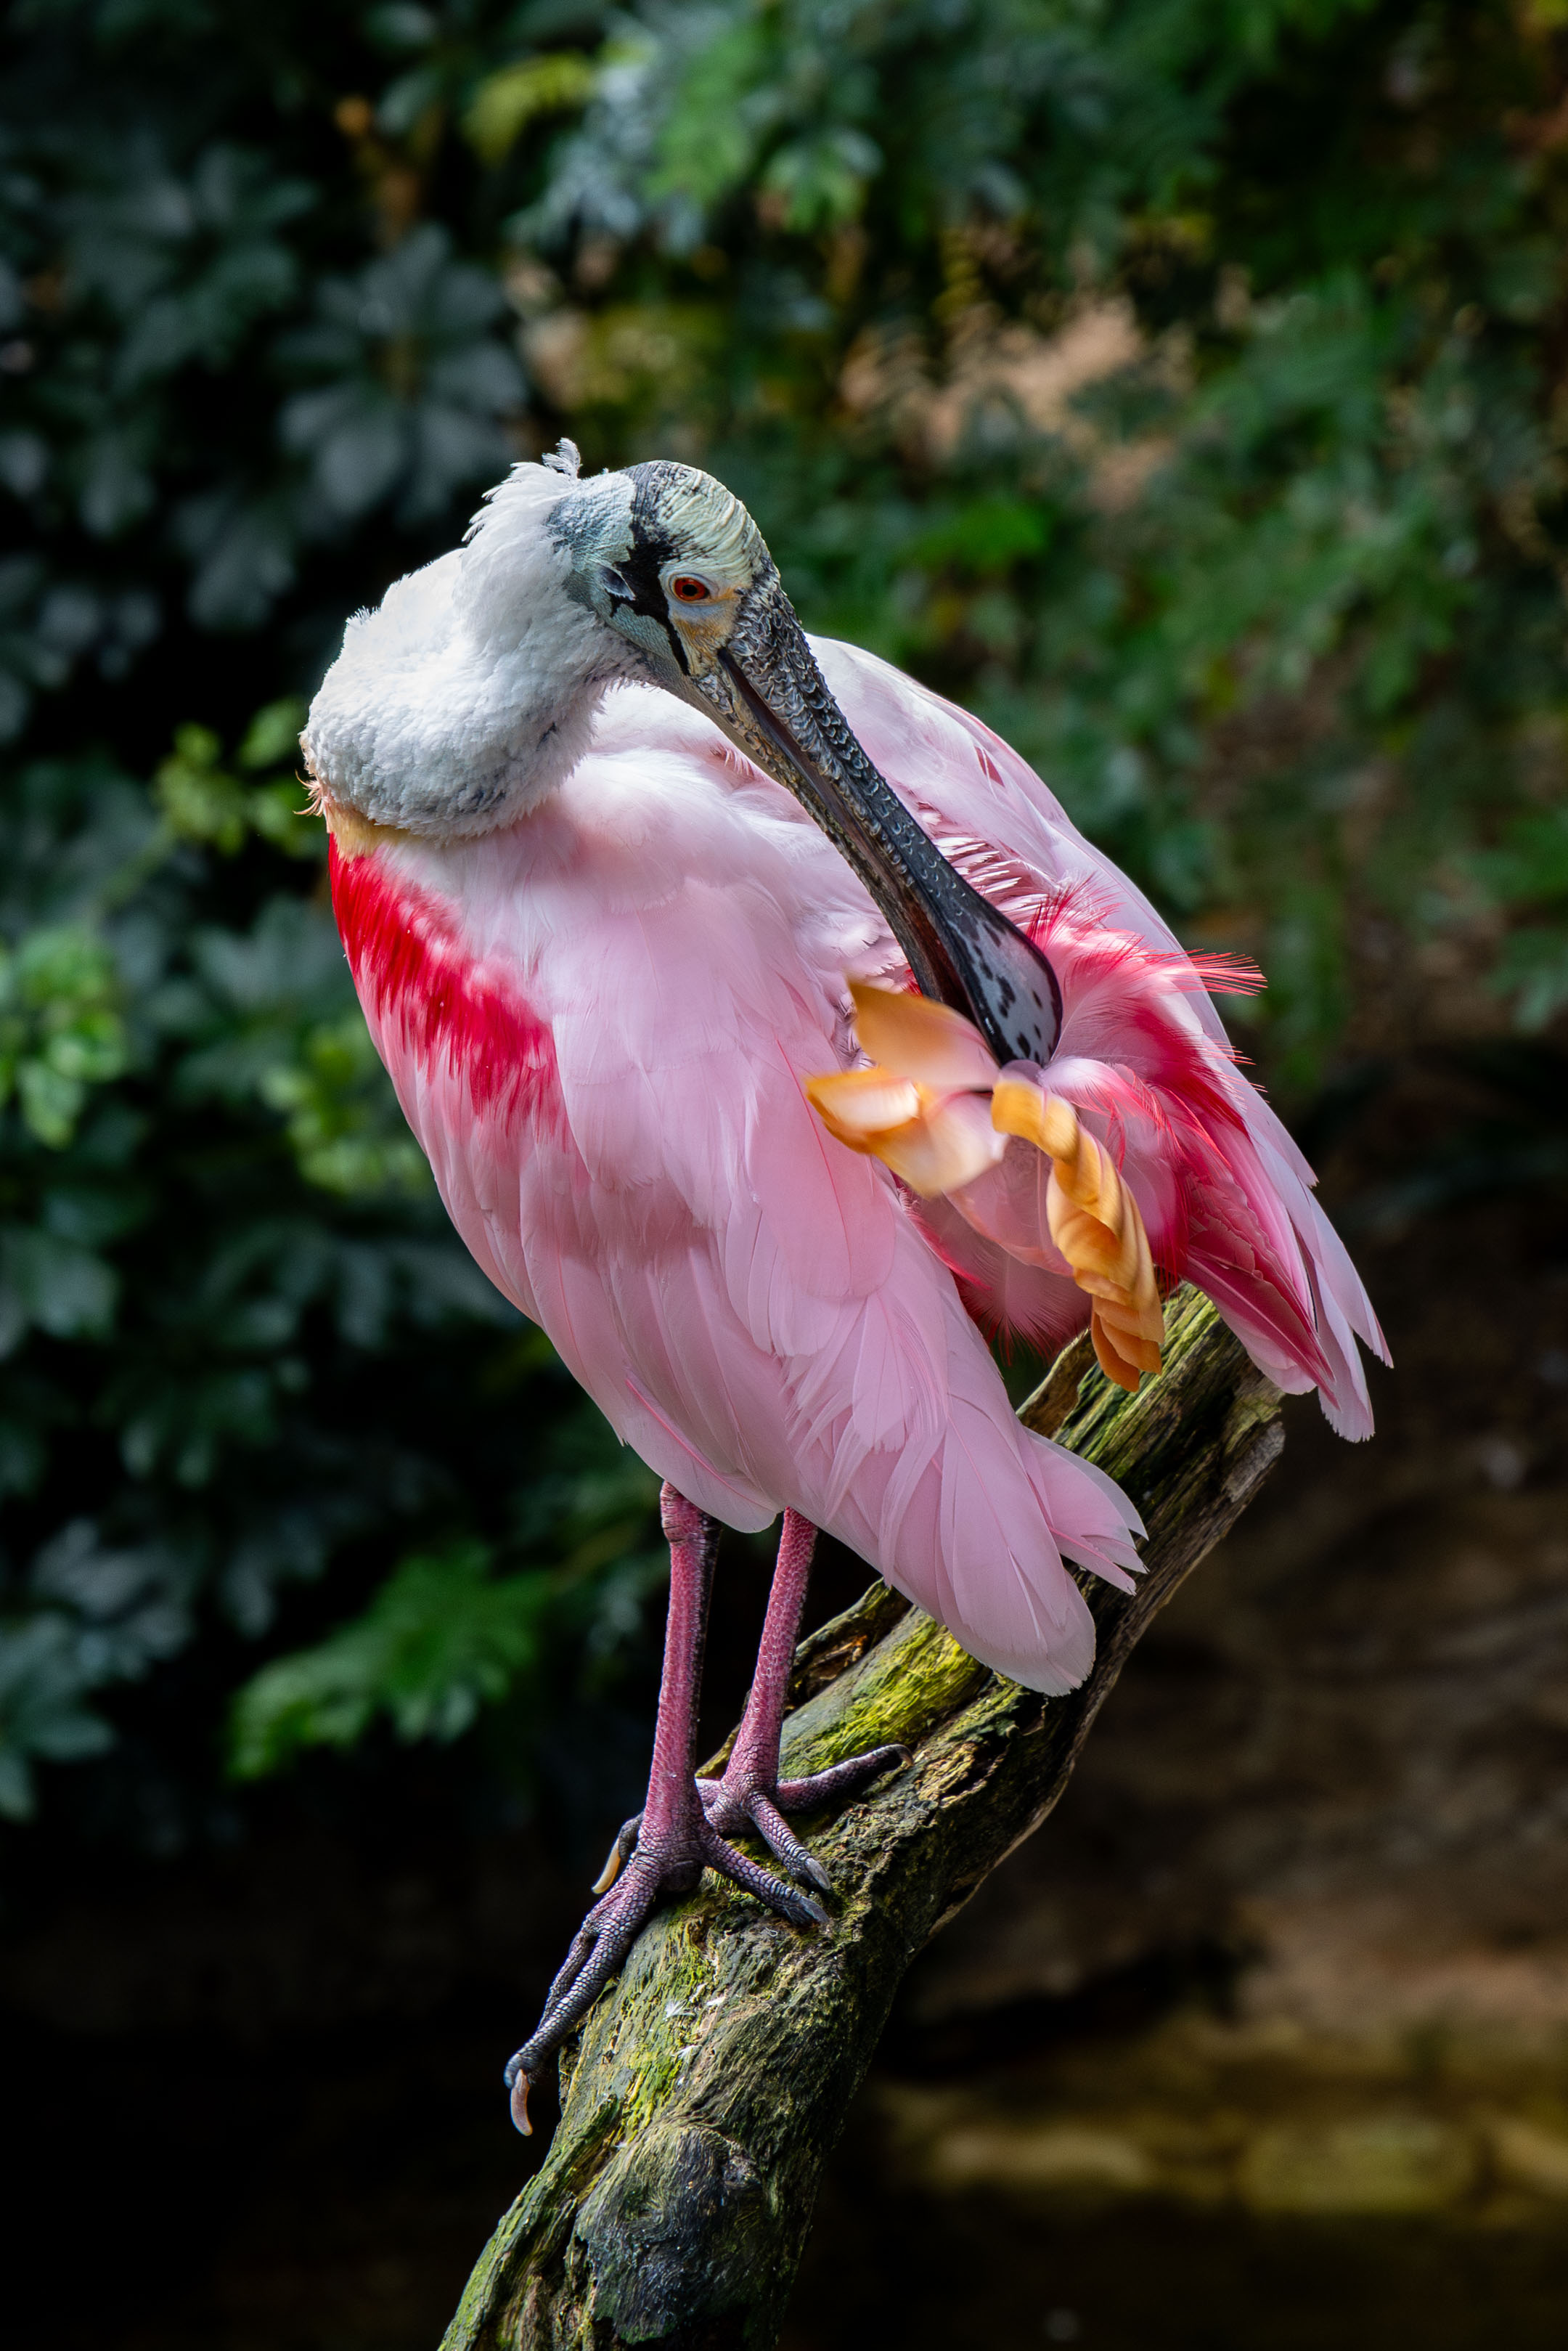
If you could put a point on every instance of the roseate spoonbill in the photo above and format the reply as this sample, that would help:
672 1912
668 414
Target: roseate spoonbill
611 842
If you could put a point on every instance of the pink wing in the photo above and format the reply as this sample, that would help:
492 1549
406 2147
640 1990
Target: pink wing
752 1306
1143 1057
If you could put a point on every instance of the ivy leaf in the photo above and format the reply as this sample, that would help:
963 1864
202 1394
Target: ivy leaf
441 1639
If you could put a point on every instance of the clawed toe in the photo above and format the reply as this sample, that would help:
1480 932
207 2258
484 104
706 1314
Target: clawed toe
839 1780
619 1853
747 1799
783 1843
796 1907
608 1932
613 1924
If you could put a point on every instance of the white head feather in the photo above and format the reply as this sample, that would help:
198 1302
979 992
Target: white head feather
469 692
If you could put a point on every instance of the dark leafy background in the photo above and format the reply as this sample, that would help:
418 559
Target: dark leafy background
1177 382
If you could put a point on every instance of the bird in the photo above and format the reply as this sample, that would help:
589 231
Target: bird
775 1041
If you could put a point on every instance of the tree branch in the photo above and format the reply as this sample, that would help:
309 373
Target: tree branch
709 2083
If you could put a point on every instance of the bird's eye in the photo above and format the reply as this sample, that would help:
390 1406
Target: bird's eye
689 590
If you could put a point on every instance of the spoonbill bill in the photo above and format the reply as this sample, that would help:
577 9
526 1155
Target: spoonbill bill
769 1031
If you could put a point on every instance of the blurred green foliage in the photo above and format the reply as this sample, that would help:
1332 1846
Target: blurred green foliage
445 1635
1178 383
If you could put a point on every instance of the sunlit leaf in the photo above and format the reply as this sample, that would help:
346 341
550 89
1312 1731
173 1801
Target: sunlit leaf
506 102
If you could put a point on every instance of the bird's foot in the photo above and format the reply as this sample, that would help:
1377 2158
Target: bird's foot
655 1865
753 1799
746 1799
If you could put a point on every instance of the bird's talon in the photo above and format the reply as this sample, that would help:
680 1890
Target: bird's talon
518 2086
519 2103
619 1853
818 1877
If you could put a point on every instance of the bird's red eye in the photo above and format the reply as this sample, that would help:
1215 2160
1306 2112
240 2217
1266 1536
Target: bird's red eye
689 590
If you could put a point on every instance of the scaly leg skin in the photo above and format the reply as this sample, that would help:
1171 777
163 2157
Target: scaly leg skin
751 1794
676 1841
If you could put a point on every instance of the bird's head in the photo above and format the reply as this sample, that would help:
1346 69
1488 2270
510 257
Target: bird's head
658 572
670 560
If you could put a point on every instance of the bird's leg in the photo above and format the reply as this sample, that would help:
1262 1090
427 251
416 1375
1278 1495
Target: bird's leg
675 1840
751 1793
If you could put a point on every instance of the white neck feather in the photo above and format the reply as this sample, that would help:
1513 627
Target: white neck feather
469 692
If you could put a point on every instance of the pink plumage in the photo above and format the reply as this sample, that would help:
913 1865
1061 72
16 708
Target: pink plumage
599 1020
753 1308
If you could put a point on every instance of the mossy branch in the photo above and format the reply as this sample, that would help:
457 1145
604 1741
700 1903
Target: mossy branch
708 2084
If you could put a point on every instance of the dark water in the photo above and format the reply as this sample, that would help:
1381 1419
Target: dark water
976 2274
329 2195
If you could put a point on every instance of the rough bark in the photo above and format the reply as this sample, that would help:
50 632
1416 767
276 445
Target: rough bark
708 2084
